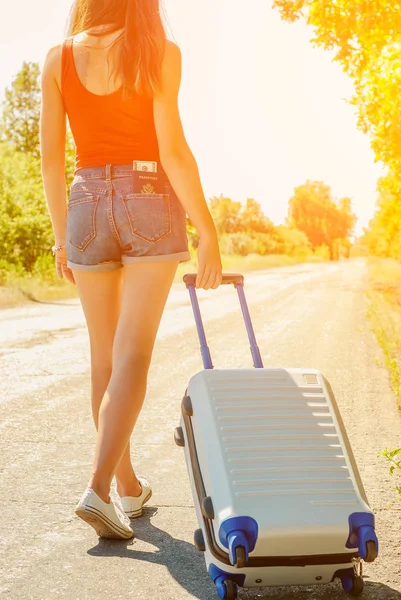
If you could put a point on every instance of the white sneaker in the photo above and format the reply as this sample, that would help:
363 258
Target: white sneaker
107 519
133 505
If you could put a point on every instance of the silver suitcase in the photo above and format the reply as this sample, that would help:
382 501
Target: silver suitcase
278 496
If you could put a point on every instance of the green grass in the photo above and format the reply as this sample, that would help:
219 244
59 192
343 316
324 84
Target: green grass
18 289
393 458
45 286
384 296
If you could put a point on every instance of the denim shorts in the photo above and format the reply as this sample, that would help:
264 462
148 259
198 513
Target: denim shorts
109 226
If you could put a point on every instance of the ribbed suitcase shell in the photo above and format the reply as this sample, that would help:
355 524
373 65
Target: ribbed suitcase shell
270 444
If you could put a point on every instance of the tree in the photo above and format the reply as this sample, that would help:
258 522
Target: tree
19 123
226 214
323 220
253 218
383 236
21 111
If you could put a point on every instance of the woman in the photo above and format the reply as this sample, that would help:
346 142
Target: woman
117 78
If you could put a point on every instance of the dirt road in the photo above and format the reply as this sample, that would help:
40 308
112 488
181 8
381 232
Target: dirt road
308 315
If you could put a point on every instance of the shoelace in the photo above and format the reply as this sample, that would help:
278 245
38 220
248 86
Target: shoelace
121 513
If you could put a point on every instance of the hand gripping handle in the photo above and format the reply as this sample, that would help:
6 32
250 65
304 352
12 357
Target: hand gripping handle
228 278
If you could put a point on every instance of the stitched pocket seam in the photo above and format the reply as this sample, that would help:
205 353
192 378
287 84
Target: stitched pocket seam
92 234
134 231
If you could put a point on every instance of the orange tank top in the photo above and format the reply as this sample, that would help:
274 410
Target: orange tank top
106 130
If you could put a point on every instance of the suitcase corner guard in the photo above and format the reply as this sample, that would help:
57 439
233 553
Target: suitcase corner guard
363 536
239 535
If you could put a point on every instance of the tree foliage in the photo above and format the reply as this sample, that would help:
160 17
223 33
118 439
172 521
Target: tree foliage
316 220
19 122
323 220
232 217
25 226
383 236
226 214
359 31
21 111
253 218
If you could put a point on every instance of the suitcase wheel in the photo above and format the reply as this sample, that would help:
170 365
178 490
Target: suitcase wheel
368 543
207 508
353 585
363 536
179 437
371 551
186 406
227 590
240 557
199 540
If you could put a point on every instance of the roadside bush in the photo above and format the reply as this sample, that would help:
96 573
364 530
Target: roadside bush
45 267
282 240
25 226
243 244
323 252
292 242
10 271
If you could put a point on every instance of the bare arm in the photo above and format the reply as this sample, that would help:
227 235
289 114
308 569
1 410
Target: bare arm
52 144
52 148
181 167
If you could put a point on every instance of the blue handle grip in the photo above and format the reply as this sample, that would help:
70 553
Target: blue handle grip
238 282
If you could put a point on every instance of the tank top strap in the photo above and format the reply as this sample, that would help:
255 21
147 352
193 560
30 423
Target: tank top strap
66 58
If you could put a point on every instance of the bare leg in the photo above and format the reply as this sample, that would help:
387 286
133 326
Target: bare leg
145 290
100 295
127 482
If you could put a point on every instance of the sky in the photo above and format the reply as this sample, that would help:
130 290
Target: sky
262 109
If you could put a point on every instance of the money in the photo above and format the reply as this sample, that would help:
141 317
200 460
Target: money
145 165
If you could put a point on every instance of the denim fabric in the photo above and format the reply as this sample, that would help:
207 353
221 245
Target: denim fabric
108 225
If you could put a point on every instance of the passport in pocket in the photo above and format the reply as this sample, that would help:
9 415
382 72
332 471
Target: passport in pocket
147 181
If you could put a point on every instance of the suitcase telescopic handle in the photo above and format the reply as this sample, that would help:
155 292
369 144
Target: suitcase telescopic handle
228 278
238 282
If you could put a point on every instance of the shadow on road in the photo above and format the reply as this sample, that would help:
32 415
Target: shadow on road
333 591
187 566
381 591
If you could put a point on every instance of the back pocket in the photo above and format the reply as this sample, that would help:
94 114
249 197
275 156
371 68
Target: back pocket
81 220
149 215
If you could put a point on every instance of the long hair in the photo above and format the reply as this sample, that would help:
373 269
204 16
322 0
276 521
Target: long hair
140 47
